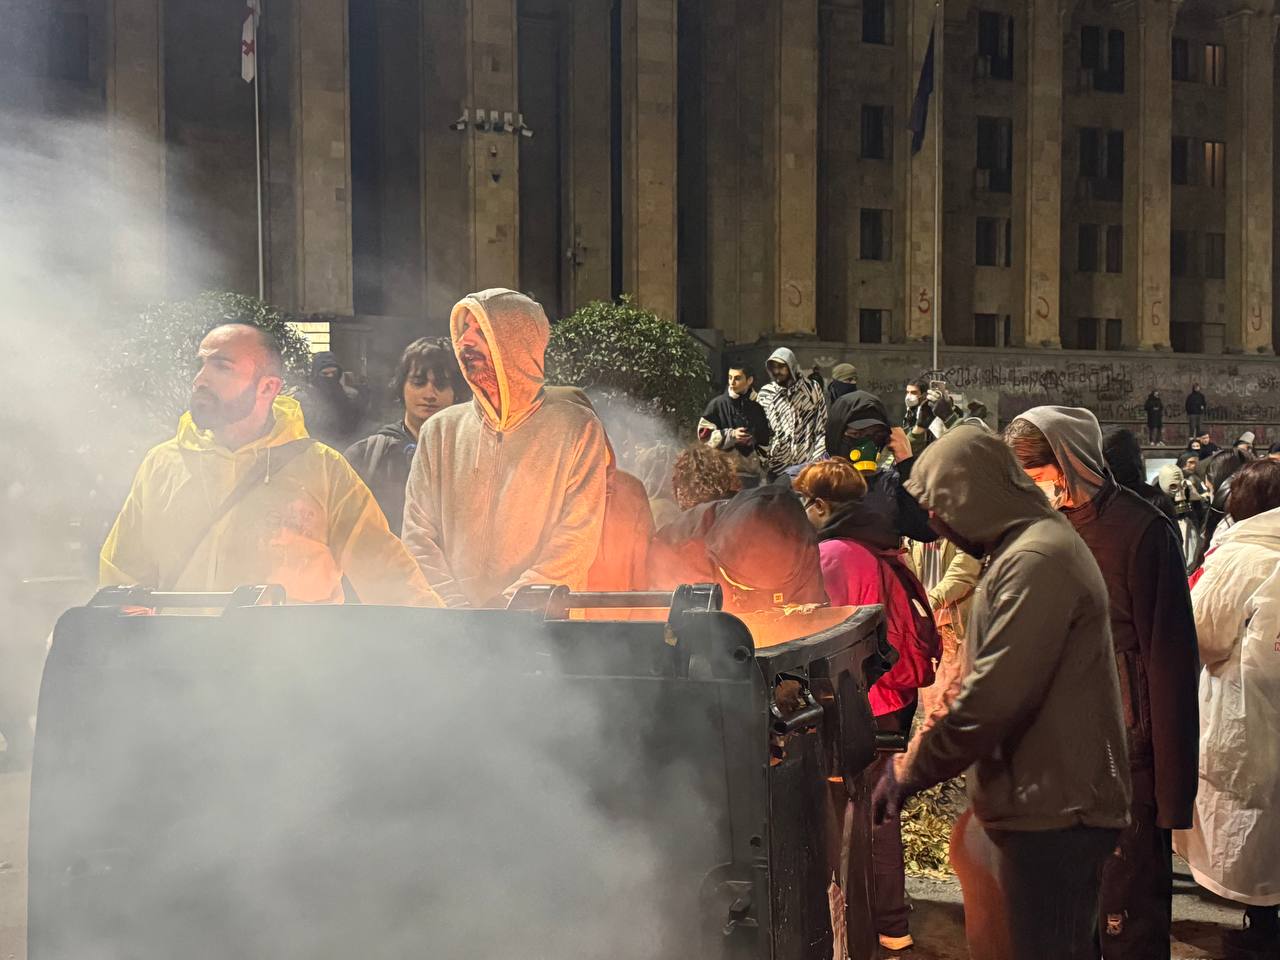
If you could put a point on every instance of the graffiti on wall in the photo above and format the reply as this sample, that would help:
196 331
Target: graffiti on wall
1240 392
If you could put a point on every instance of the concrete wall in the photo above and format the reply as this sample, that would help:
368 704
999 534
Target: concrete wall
1242 393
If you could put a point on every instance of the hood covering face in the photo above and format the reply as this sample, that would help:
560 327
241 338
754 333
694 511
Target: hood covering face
765 546
853 410
845 373
517 332
1076 439
971 480
1123 454
784 355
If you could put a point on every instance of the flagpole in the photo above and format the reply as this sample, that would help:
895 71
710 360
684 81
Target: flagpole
257 142
940 26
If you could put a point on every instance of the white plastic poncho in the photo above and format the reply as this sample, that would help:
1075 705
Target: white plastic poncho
1234 846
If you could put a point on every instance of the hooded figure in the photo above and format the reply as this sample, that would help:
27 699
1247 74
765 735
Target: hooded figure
333 415
1235 844
1038 720
622 561
764 551
1123 455
1154 636
861 411
797 415
844 379
309 523
509 489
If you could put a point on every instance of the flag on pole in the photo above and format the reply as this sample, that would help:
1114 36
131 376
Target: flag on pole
249 42
919 121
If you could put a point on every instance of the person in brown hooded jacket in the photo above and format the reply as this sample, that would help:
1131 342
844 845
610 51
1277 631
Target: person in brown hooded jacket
1154 633
509 489
1038 721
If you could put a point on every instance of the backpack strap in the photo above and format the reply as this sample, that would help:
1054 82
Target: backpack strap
277 459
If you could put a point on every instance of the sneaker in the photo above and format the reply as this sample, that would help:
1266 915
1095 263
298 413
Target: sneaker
896 943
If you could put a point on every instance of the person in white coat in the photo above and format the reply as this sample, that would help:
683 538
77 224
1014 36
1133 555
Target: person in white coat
1234 845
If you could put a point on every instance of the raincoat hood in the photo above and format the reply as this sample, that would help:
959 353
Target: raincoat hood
517 332
288 426
762 541
971 480
1076 439
853 410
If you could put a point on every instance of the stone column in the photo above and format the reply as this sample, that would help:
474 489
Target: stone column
1148 179
323 157
1250 48
495 156
590 167
797 168
649 153
922 170
136 130
1041 250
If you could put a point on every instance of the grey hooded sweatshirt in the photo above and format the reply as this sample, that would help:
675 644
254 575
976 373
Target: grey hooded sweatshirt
502 497
1153 628
1038 716
798 415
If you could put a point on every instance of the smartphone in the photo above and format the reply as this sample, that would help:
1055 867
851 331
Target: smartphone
939 385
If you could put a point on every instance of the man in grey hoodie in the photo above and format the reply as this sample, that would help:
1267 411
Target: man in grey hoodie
1037 722
797 412
509 489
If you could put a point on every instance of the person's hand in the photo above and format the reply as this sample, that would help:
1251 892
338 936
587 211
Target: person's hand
888 797
741 436
899 445
939 402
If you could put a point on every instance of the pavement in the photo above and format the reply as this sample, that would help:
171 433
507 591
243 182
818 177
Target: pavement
937 920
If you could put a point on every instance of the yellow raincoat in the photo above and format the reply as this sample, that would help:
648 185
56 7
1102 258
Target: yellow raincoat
302 527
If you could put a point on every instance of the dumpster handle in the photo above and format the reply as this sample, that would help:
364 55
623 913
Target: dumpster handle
807 716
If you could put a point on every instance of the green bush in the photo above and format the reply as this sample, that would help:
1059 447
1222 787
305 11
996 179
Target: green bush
617 351
148 380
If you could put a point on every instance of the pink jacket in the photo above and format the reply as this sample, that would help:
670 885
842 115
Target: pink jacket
850 572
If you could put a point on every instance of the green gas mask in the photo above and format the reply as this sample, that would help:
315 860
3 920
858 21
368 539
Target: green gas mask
863 454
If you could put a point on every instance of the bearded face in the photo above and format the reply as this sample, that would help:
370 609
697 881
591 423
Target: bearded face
211 411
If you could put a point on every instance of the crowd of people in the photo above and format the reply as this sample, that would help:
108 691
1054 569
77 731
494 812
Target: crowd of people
1105 708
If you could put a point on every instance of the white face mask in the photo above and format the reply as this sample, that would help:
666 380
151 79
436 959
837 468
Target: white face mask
1051 492
912 400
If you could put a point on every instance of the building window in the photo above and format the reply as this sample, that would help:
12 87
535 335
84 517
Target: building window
990 330
1215 256
871 325
877 234
995 154
877 23
995 45
1115 249
1102 59
1087 248
875 123
1181 59
1215 64
1180 253
1087 333
1114 334
1090 152
1215 164
1180 161
993 242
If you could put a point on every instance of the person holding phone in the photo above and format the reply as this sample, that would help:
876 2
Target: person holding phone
735 423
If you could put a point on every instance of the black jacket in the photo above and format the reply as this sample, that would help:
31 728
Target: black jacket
382 461
1196 403
1154 633
1155 410
728 413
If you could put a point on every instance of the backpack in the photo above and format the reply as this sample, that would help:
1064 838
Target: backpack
911 627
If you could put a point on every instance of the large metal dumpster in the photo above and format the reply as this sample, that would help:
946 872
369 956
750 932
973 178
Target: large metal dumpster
355 781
